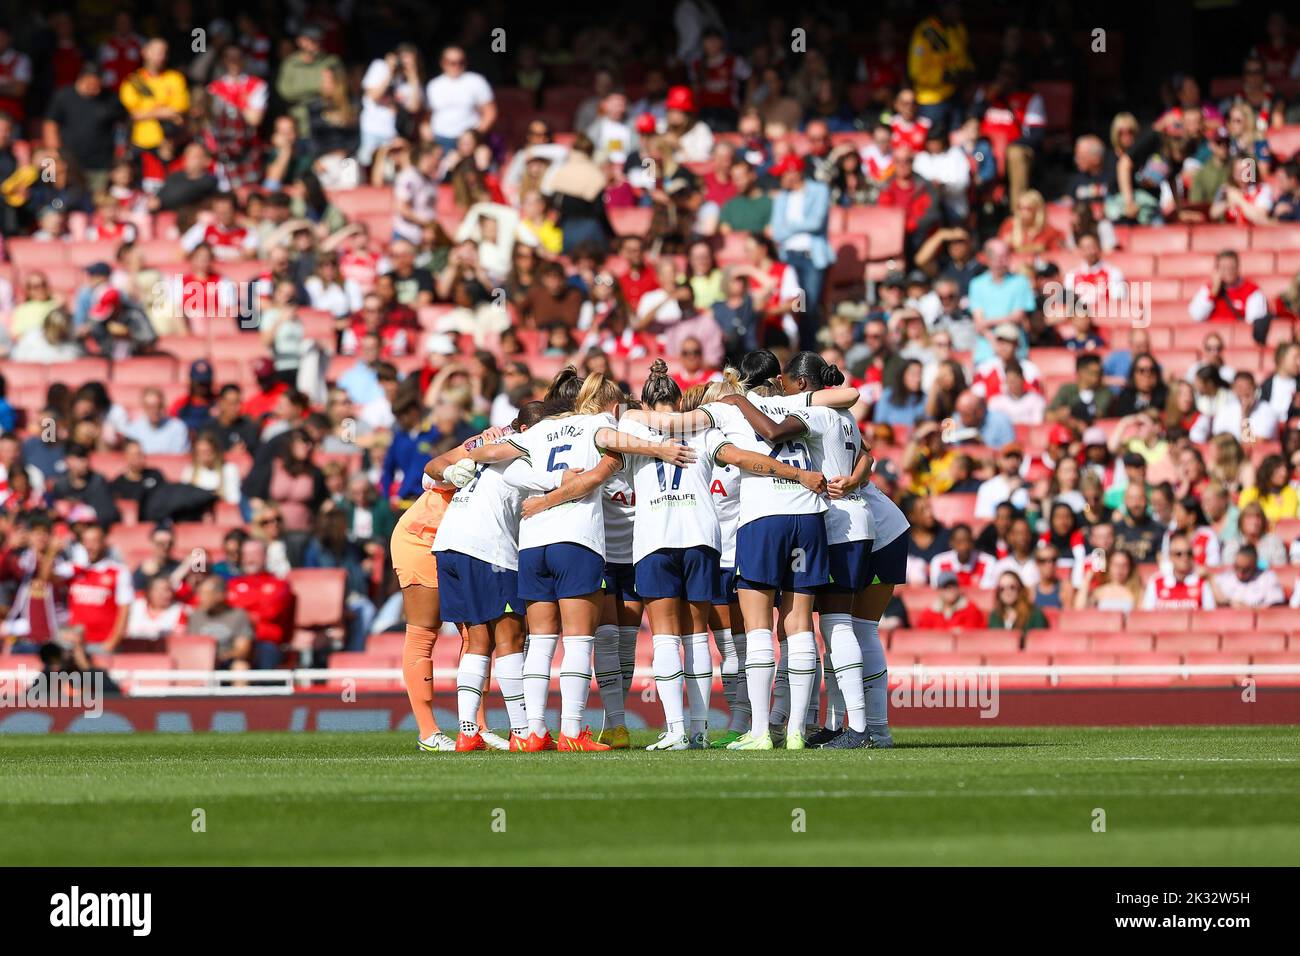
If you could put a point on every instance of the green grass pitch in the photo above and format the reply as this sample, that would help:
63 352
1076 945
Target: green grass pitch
1198 796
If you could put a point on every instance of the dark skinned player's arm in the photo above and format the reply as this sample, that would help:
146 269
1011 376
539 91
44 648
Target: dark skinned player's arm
847 484
768 466
771 432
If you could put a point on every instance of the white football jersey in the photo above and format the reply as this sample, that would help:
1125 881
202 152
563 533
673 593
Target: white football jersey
885 515
674 503
556 445
726 502
847 518
762 496
618 501
482 519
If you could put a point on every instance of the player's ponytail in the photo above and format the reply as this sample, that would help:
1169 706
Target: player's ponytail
563 391
597 394
659 388
730 385
758 368
814 370
694 396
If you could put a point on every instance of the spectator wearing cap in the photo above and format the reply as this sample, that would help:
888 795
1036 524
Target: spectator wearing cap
194 409
79 484
800 216
157 432
990 375
80 121
459 99
693 137
951 608
157 98
300 78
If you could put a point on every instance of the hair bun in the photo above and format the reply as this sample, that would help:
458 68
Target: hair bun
832 376
658 367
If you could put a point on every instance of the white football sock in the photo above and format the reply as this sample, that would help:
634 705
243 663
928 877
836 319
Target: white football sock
801 649
780 711
730 665
669 678
813 716
699 680
537 679
740 712
575 682
875 672
627 634
471 677
510 677
760 671
609 678
845 659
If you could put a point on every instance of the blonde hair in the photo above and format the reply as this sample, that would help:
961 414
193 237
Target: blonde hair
694 396
597 393
1018 236
1119 122
729 385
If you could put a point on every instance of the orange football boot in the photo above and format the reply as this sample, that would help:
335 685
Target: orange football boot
464 742
584 741
518 742
536 744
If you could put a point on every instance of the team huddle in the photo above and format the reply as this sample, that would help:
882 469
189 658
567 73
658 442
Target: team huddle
707 511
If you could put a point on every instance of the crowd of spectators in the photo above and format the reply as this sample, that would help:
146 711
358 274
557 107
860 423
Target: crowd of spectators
359 250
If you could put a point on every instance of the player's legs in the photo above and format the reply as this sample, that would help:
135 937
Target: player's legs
760 660
801 654
543 634
609 677
420 605
699 669
578 619
471 680
630 614
508 647
843 661
665 624
868 609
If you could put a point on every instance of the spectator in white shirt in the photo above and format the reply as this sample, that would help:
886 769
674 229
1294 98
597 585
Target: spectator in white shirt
1019 558
415 195
948 168
158 433
1023 407
1246 586
155 615
459 100
1006 485
388 85
1244 416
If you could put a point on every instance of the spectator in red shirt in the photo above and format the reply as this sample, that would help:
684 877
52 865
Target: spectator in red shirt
952 609
918 199
267 601
639 278
1228 296
99 594
269 389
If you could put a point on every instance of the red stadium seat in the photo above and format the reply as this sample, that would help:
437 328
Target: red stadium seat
1276 238
1260 642
1149 660
145 370
883 227
1213 238
390 643
1224 621
952 508
1158 241
633 221
1183 265
1187 643
1159 622
1123 642
955 661
920 643
988 642
120 666
320 593
192 536
1053 642
1088 621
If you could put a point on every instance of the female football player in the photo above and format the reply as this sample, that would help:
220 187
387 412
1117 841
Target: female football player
562 554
